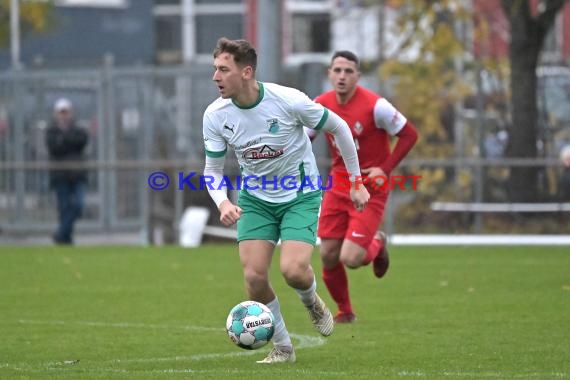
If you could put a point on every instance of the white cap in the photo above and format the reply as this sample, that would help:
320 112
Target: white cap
62 104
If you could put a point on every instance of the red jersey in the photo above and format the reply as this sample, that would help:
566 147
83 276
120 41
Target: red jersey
372 120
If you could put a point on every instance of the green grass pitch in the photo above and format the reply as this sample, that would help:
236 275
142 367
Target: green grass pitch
159 313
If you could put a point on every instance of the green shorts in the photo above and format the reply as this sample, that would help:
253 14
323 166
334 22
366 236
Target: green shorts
293 220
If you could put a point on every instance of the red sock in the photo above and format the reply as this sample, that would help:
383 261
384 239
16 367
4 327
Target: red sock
372 251
337 283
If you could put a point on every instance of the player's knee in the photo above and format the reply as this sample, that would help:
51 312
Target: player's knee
256 280
330 253
329 257
351 261
294 272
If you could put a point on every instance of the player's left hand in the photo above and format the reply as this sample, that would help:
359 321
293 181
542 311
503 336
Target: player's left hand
229 213
375 173
359 196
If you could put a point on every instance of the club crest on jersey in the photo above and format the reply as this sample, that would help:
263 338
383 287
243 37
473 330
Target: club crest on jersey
358 128
273 125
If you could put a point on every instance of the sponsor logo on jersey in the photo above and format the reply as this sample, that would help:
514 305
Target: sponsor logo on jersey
263 152
247 144
230 127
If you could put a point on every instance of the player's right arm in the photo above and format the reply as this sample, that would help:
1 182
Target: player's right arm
216 148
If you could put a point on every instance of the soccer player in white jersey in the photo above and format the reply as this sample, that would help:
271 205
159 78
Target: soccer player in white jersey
263 124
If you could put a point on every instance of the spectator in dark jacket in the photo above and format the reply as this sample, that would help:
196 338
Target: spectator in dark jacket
66 143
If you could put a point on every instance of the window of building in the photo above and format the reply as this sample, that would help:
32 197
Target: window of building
210 27
310 33
307 29
307 26
212 20
168 38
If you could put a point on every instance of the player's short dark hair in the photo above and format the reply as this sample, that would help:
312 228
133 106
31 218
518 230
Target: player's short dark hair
243 52
348 55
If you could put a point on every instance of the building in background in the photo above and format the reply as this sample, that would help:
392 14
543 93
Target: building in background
188 29
175 31
86 32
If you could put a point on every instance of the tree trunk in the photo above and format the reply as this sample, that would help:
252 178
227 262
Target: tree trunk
527 36
523 181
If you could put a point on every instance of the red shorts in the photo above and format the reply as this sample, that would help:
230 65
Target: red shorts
340 220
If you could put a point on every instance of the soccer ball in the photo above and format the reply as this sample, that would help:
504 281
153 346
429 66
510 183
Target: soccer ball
250 325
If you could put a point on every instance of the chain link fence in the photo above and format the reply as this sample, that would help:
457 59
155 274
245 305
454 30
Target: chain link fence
147 119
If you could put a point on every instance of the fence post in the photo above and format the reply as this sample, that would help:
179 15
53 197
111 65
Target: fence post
478 223
19 146
108 203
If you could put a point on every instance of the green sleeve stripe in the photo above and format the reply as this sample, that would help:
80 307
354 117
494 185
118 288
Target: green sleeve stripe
216 154
323 120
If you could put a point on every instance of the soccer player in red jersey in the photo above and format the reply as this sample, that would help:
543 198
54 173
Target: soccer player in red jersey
348 237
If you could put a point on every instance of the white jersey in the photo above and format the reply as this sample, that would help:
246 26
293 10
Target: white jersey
273 151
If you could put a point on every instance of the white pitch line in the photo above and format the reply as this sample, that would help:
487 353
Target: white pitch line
299 371
402 373
120 325
227 371
197 357
421 373
304 341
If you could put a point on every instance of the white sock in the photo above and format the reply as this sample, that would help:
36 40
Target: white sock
281 335
308 296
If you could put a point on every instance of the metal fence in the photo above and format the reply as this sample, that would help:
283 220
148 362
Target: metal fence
135 118
146 119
